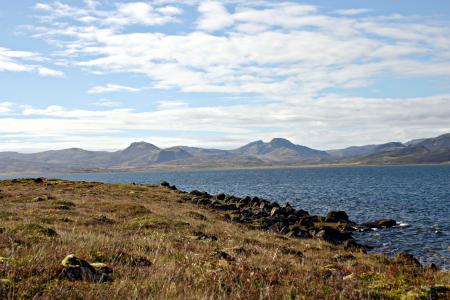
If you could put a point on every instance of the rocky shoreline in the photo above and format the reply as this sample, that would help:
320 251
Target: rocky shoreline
335 228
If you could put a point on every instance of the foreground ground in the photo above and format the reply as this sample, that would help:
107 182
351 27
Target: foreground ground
159 246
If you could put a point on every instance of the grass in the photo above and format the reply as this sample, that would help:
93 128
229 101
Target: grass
160 247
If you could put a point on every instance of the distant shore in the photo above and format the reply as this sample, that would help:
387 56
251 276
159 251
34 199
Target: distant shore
166 168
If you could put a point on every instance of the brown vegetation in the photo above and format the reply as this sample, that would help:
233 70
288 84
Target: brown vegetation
159 246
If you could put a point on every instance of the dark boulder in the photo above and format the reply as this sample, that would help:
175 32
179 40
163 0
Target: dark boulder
224 207
301 213
39 180
78 269
383 223
199 194
255 201
292 219
245 200
336 216
332 235
299 233
308 221
165 184
220 196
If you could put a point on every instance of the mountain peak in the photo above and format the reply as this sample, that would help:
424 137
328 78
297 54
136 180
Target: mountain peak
141 146
279 142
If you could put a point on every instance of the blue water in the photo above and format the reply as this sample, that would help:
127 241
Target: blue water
418 197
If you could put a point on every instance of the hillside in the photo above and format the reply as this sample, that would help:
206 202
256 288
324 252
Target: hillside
148 242
278 152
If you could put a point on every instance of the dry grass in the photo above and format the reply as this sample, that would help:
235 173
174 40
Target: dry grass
162 248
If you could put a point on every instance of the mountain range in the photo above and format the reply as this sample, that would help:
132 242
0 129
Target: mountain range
141 156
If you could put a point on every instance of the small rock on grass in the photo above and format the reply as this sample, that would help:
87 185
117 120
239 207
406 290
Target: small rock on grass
79 269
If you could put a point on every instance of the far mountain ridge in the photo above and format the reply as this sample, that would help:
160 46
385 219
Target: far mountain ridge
277 152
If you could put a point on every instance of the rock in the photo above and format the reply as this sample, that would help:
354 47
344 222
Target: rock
199 194
336 216
383 223
292 219
332 235
255 201
39 180
299 234
73 261
224 207
274 211
405 258
264 206
165 184
288 209
78 269
220 196
308 221
275 204
301 213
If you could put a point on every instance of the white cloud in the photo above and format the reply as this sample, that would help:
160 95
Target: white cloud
24 61
49 72
214 16
170 10
327 122
112 88
352 11
122 14
278 49
171 104
284 52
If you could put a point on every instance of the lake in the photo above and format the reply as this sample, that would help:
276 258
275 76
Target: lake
418 197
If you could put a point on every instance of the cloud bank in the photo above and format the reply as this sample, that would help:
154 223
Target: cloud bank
298 58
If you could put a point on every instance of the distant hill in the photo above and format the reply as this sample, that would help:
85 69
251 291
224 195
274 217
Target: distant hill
357 151
432 150
277 152
281 150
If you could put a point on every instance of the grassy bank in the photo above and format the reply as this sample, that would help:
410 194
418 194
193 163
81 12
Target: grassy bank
161 247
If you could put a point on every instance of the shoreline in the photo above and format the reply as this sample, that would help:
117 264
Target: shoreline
176 169
77 239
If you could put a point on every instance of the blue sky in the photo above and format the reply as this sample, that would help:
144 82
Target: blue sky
326 74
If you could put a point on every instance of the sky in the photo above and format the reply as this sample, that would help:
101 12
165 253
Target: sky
100 74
